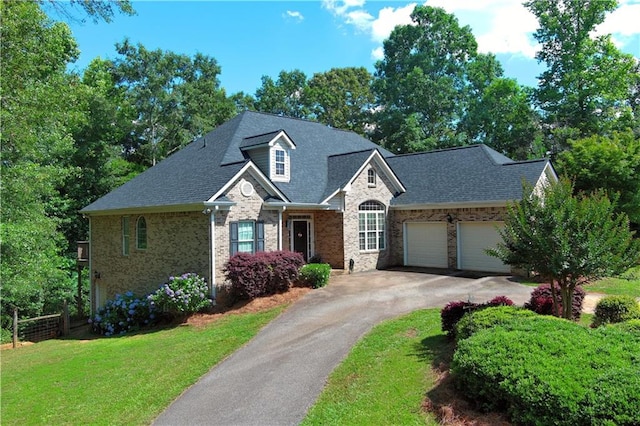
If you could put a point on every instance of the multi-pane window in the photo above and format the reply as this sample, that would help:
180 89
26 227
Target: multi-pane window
125 235
141 233
246 237
371 220
371 177
280 159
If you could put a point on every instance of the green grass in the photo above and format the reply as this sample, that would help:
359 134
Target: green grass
384 378
627 284
110 381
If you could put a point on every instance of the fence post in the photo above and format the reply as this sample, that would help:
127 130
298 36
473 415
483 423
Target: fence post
65 319
15 327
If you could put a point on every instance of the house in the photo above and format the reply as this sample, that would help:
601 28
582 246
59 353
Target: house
264 182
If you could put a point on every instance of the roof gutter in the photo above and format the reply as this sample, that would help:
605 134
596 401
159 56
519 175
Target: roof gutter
448 206
299 206
173 208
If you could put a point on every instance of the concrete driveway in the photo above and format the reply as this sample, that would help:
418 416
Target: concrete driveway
277 376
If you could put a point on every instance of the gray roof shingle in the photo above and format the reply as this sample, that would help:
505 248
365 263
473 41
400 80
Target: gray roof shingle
474 173
199 170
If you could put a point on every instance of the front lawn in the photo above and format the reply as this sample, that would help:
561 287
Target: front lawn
626 284
384 378
126 380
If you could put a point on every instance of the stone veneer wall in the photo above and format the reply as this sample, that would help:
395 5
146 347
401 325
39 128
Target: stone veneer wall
359 193
176 243
246 208
398 217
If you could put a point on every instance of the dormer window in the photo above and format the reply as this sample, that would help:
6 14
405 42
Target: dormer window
371 177
280 162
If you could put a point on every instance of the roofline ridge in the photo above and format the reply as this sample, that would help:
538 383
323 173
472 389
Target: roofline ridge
264 134
453 148
353 152
535 160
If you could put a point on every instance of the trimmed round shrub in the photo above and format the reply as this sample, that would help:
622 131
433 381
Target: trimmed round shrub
454 311
541 301
182 295
546 370
261 274
614 309
123 314
315 275
490 317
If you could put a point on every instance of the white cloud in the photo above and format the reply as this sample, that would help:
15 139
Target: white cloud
388 18
500 26
377 54
294 14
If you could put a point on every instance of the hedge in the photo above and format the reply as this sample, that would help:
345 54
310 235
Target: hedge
613 309
315 275
545 370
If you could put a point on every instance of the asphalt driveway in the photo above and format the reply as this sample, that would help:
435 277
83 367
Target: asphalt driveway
276 377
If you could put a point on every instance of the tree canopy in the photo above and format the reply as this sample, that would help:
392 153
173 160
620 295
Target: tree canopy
567 239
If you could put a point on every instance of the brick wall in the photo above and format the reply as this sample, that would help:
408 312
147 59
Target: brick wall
246 208
359 193
398 217
176 243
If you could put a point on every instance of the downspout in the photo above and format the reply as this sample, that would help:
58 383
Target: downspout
280 212
212 236
92 301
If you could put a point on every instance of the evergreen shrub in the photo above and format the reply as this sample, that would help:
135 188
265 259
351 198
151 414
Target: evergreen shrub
546 370
315 275
614 309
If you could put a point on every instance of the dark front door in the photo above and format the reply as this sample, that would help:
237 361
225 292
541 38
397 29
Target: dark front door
301 238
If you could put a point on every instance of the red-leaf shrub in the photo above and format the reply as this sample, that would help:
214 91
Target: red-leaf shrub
261 274
500 301
454 311
541 301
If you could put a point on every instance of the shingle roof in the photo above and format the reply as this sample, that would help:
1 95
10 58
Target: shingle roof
341 168
199 170
468 174
252 141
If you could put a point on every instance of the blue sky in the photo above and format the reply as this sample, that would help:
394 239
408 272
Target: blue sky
252 39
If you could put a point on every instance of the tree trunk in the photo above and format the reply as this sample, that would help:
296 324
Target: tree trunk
567 301
554 298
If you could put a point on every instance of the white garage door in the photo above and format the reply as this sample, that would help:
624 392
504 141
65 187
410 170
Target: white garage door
473 239
425 244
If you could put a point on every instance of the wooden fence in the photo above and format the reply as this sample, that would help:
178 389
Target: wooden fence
40 328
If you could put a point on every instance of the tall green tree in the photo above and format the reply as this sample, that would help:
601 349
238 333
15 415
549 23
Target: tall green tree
96 9
568 239
177 98
341 98
284 96
608 163
587 81
421 84
39 107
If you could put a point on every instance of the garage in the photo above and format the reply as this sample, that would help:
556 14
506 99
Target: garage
473 239
425 244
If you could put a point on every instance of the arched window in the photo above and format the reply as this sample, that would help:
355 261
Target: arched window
371 224
141 233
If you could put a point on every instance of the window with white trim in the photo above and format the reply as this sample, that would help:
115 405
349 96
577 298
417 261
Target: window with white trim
125 235
280 162
141 233
371 177
246 236
371 226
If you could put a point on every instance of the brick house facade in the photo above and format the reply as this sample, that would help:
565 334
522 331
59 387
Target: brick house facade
262 182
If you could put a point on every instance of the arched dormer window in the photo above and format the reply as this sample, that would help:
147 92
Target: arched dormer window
141 233
371 226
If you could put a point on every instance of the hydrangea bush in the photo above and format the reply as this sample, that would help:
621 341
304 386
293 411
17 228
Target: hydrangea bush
122 314
181 295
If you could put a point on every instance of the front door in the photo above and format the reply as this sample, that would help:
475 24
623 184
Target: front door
301 238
